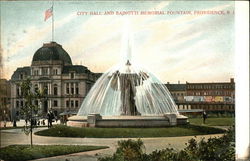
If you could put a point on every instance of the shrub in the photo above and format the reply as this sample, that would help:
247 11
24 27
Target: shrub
217 149
128 150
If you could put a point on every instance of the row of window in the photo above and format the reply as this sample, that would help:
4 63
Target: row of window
178 94
213 107
211 93
44 71
69 103
211 86
72 88
72 103
207 107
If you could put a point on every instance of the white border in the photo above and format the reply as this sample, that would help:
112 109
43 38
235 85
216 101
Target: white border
242 79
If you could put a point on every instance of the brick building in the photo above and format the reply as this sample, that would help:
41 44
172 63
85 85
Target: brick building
212 97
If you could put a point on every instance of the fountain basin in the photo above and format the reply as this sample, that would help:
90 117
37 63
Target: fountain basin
96 120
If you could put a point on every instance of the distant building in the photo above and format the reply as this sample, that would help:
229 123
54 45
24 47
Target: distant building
65 84
178 91
5 110
212 97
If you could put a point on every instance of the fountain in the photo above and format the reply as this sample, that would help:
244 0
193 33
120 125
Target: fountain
127 96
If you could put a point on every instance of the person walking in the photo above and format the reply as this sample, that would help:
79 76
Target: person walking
204 116
49 116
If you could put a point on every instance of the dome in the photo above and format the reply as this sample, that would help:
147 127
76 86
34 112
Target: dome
52 51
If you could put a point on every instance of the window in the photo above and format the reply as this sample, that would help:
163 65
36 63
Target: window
45 89
76 103
67 88
21 76
55 103
72 103
55 89
17 91
67 103
45 71
72 75
55 71
35 72
17 103
21 103
77 88
72 88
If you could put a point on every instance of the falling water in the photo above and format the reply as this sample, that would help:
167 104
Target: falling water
127 89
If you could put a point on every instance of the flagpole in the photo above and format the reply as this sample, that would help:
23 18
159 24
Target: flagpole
53 20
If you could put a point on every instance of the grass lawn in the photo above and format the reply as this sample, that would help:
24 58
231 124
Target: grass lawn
25 152
188 130
18 127
221 121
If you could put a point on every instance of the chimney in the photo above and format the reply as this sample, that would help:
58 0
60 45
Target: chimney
231 80
178 82
167 82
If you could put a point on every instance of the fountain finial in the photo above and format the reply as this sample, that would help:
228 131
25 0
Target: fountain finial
128 63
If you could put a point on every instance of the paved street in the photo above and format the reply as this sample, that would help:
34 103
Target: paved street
16 136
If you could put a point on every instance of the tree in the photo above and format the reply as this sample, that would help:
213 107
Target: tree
29 95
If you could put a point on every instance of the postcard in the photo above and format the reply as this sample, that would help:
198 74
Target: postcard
115 68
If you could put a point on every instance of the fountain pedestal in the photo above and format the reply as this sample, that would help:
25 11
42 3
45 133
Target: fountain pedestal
96 120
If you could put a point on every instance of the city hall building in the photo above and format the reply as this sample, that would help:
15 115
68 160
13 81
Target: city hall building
65 85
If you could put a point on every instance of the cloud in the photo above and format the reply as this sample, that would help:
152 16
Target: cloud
33 34
180 47
16 52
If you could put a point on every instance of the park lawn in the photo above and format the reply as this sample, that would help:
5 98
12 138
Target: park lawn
187 130
18 127
25 152
220 121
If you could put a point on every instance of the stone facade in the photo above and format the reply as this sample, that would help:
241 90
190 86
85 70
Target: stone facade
96 120
51 70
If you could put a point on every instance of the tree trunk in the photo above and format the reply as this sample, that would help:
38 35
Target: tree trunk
31 128
31 139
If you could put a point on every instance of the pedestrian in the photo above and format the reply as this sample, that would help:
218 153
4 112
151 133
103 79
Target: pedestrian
204 116
56 118
49 116
4 123
14 123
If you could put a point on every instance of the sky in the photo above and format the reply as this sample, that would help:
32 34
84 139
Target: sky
175 47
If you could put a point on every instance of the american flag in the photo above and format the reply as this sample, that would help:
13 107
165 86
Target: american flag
48 13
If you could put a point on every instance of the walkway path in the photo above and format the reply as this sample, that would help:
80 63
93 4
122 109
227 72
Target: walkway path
16 136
